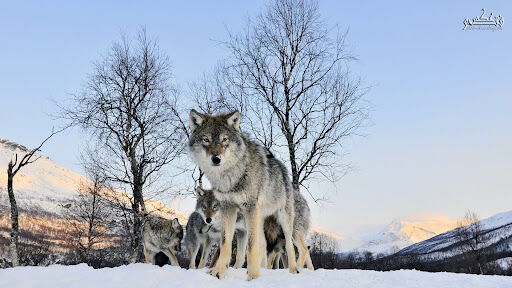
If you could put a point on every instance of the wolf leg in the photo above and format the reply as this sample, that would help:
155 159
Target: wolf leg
148 255
263 248
207 247
309 264
285 261
215 257
277 261
285 218
241 249
172 256
253 221
303 249
271 259
228 229
192 253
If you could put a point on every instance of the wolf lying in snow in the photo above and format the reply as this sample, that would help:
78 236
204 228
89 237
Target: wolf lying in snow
204 227
162 235
246 180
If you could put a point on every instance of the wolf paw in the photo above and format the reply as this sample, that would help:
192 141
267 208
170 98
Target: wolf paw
238 265
252 275
294 270
218 272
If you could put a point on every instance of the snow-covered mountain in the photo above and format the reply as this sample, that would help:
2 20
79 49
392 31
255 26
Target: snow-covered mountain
497 231
44 192
407 231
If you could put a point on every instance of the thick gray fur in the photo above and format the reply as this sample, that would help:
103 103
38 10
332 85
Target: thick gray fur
245 180
200 234
275 238
162 235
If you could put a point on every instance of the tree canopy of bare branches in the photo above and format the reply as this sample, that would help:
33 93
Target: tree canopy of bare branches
90 212
288 74
324 249
128 109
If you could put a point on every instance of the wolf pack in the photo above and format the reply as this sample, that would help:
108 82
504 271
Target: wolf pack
251 204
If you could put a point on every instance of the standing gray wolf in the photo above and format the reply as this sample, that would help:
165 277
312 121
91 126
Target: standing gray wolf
275 244
244 179
200 235
275 238
162 235
204 227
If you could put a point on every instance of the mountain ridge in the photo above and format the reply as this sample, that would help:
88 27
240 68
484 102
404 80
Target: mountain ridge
403 232
496 228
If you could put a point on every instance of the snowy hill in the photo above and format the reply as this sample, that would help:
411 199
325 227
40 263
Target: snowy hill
44 191
144 275
40 186
497 229
407 231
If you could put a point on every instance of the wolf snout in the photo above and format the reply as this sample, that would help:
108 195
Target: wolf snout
208 220
216 160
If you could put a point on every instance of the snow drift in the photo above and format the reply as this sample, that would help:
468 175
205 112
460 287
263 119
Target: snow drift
145 275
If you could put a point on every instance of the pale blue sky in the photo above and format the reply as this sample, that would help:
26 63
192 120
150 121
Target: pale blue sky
441 136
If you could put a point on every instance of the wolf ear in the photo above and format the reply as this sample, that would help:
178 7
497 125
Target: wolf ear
234 119
175 223
199 191
196 119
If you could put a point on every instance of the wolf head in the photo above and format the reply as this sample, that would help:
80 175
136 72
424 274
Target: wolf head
177 233
208 207
215 142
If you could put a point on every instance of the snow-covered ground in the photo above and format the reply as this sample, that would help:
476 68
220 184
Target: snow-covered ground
144 275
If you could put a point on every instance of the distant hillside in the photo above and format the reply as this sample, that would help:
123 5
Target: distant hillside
407 231
45 192
497 230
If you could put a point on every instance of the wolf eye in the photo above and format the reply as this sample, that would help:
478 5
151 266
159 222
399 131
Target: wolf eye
206 140
225 139
214 206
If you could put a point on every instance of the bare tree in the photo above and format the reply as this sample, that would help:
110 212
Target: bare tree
129 108
324 250
290 78
472 238
12 169
90 213
368 257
